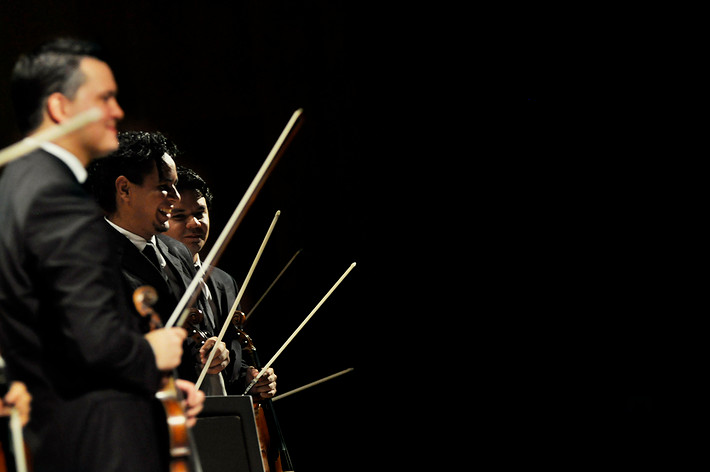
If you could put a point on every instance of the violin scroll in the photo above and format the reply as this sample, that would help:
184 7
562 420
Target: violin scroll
244 339
192 325
144 298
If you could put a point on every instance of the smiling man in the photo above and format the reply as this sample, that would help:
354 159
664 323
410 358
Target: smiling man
191 217
190 223
135 186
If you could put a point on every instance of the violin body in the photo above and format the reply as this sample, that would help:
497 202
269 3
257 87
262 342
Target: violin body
274 456
169 396
262 430
179 439
3 459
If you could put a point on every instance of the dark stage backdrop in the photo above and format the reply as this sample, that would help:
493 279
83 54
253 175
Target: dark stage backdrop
497 174
222 79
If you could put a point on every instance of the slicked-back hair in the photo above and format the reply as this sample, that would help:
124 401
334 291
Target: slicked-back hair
138 152
52 67
188 179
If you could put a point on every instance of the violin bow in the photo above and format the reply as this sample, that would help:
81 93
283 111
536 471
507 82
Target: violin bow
300 327
31 143
195 288
18 444
15 427
312 384
235 305
246 317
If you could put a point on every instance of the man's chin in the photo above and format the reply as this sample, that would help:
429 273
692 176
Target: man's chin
103 152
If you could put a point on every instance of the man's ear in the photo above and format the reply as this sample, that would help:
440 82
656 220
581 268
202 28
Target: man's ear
56 107
123 186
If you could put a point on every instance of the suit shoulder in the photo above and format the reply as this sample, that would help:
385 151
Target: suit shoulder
218 273
36 161
39 186
176 247
223 278
33 165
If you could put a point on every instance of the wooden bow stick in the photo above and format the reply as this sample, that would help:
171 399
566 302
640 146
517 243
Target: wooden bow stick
235 305
300 327
246 318
312 384
31 143
195 288
18 444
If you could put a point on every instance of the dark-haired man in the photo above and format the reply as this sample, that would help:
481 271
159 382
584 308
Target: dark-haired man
190 223
135 186
65 330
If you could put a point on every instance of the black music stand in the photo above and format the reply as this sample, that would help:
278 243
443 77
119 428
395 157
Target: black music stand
225 435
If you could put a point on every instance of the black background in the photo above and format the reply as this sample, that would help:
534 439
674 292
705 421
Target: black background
500 176
222 79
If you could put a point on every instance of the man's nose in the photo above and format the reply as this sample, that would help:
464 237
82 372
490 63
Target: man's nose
193 222
117 111
173 194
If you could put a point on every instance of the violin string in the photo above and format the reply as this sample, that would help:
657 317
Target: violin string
300 327
235 305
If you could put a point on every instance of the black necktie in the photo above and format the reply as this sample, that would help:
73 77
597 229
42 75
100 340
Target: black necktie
149 252
208 302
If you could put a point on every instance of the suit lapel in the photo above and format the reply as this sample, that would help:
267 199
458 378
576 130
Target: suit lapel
137 264
134 264
175 262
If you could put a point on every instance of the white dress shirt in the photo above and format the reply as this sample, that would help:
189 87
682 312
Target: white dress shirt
68 158
139 242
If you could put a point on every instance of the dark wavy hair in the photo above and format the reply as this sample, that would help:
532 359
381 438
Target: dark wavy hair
137 152
188 179
52 67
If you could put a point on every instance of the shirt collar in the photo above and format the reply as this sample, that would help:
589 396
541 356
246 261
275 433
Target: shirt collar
68 158
138 241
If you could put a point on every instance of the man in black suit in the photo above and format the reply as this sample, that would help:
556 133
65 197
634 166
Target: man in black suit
135 186
190 223
65 330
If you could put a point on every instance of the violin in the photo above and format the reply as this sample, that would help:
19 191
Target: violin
169 395
192 325
270 457
4 465
274 456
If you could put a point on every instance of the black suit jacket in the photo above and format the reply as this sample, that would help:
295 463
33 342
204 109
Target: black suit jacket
66 332
224 291
137 271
